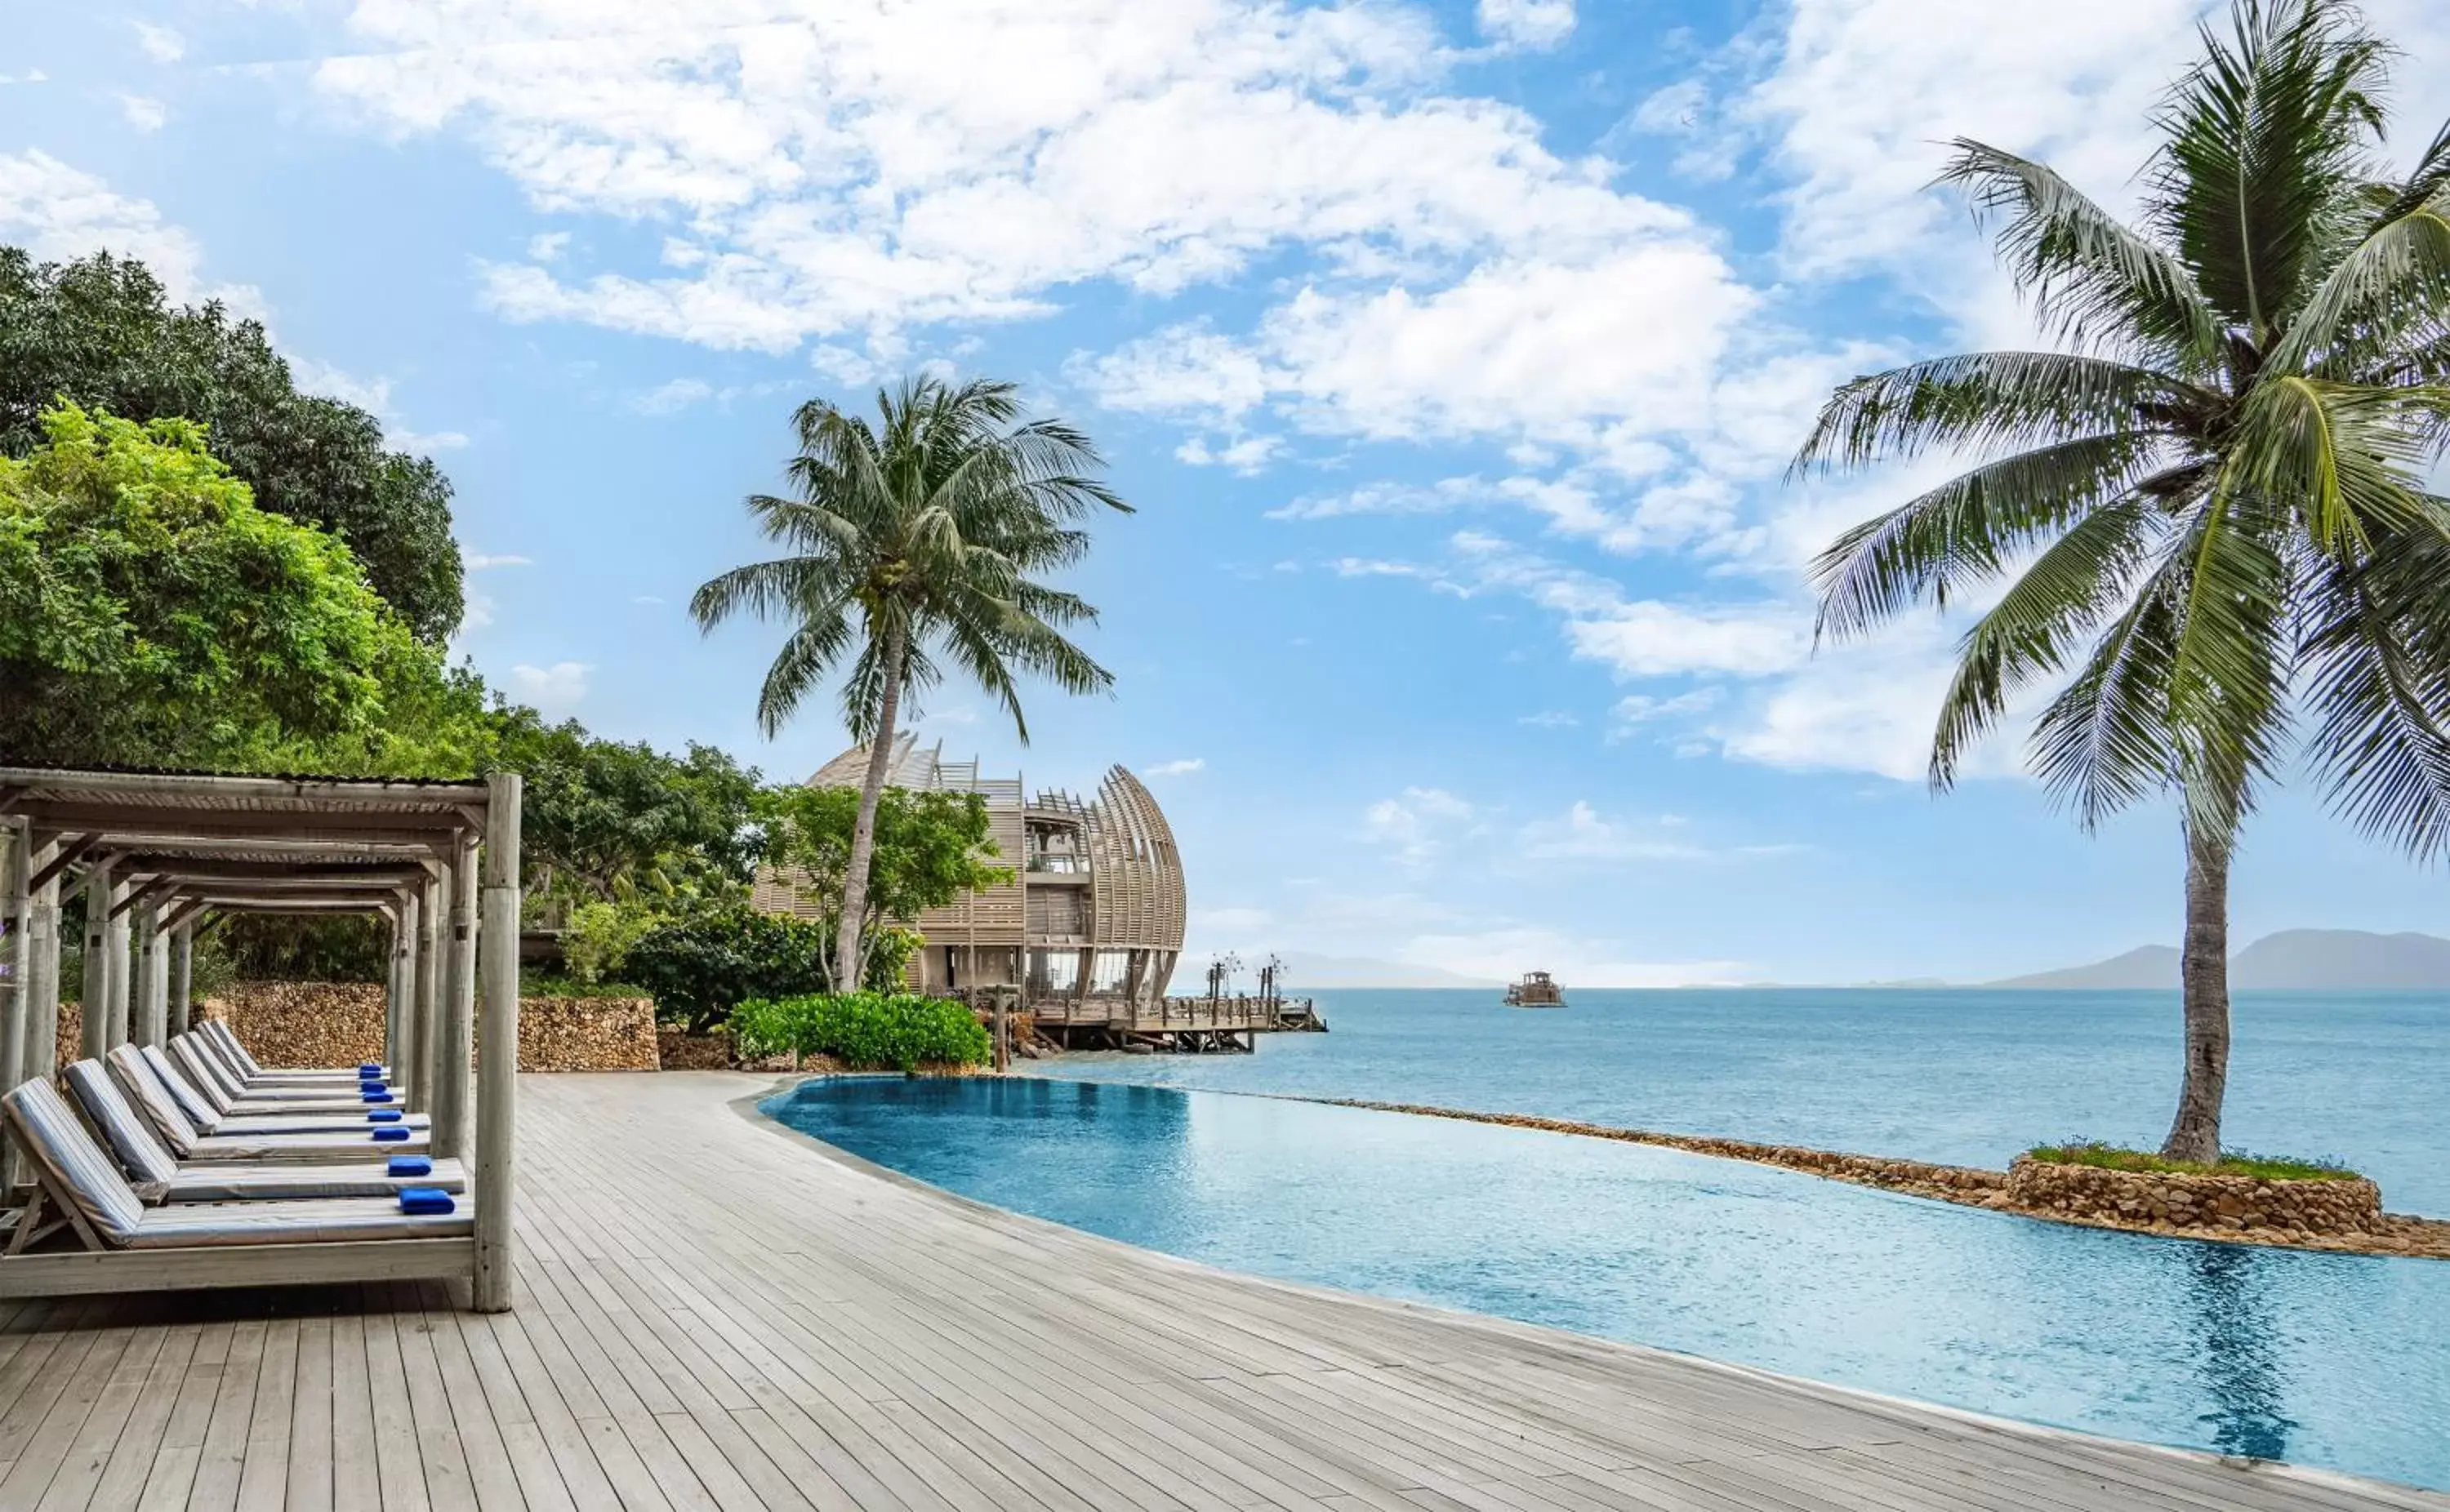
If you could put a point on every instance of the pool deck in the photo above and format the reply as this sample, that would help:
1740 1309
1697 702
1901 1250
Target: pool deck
714 1313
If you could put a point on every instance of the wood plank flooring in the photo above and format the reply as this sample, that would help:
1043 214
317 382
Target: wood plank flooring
715 1314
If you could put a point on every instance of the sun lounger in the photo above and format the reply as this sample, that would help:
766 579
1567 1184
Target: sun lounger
213 1112
242 1077
201 1072
152 1096
86 1192
254 1073
159 1176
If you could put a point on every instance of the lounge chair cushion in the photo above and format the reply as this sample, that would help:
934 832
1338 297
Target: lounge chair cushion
139 1148
151 1091
75 1167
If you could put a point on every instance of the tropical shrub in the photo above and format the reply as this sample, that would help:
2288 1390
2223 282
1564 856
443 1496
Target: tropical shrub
699 969
865 1030
596 942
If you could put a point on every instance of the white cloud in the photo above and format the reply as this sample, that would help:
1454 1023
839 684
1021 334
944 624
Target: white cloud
30 77
547 246
478 561
554 689
161 43
1550 719
1582 834
1183 767
1529 24
58 212
1417 822
1246 454
824 169
651 599
143 113
1385 496
671 397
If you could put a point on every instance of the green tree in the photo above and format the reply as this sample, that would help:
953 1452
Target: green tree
101 333
930 849
915 536
699 968
150 613
610 822
2210 509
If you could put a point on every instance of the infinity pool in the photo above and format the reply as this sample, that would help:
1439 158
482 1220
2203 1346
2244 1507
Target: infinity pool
2327 1360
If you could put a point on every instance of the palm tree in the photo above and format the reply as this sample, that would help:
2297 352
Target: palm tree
2209 505
912 538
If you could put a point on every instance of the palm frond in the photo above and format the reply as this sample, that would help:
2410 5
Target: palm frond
1987 401
2106 742
2228 669
2393 282
2345 457
1964 531
2086 575
2092 280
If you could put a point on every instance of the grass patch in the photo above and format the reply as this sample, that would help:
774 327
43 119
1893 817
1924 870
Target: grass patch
2232 1163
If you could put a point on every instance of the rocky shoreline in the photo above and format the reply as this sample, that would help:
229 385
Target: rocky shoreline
2347 1218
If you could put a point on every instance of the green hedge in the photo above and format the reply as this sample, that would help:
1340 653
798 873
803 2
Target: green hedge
865 1030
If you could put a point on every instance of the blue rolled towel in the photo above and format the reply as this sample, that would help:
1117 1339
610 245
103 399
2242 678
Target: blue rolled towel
391 1134
370 1069
409 1166
383 1116
371 1084
424 1199
374 1096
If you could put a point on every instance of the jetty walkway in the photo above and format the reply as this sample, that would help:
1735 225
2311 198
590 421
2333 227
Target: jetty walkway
715 1314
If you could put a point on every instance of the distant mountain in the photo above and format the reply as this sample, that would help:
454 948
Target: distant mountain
2145 966
1304 971
2303 959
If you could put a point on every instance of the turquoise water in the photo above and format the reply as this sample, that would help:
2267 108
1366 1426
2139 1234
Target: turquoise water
1964 1077
2329 1360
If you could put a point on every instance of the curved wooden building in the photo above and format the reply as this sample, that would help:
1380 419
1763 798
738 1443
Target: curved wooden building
1095 911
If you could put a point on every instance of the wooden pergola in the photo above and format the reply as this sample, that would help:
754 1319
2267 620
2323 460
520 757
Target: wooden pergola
158 855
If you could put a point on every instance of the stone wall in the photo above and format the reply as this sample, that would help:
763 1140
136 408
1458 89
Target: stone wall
330 1023
2310 1209
680 1052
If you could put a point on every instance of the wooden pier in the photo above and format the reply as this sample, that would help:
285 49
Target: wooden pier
1188 1025
713 1313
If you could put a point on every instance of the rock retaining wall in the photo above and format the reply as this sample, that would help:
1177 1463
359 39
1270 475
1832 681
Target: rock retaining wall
335 1023
2290 1209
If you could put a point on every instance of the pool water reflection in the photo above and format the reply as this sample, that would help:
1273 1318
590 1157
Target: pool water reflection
2331 1359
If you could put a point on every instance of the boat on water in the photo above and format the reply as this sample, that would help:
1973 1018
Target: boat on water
1536 990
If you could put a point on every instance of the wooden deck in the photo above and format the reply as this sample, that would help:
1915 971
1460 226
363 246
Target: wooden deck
715 1314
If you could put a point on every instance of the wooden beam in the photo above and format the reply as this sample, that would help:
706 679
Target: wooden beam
183 962
306 868
497 1084
330 792
114 821
16 997
69 853
233 1265
144 892
424 1028
94 997
184 912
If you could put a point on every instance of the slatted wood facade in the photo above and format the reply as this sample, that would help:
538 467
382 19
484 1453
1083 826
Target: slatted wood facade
1097 907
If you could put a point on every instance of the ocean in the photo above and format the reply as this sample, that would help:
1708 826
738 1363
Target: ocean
1966 1077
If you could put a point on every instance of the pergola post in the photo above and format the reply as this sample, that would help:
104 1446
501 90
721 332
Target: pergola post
451 1068
420 1034
16 918
94 999
403 983
144 1023
498 1042
116 957
182 975
42 982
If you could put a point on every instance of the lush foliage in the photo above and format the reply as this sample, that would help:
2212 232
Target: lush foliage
918 536
929 850
546 984
597 938
2210 509
606 820
865 1030
150 613
280 947
699 969
2232 1163
99 332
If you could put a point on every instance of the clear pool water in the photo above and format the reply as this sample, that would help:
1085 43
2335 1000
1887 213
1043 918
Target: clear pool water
2326 1360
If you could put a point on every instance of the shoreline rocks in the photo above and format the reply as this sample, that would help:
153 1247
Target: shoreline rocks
2341 1216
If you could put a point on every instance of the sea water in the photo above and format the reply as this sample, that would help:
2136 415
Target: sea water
1965 1076
2331 1359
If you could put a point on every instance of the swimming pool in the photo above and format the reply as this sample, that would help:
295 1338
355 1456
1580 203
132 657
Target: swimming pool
2331 1359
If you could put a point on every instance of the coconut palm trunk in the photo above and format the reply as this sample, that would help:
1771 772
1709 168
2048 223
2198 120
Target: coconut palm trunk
2203 980
863 832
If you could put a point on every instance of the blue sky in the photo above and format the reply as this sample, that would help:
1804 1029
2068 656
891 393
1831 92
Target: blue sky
1452 355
